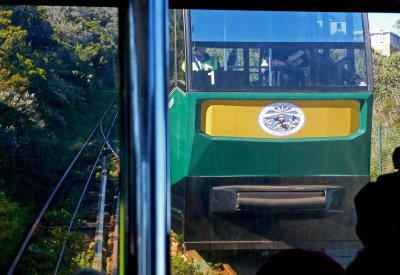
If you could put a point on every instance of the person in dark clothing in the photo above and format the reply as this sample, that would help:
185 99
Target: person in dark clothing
300 261
292 63
288 66
378 224
88 271
392 177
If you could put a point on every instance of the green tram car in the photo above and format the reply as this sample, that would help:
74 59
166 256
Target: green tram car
270 141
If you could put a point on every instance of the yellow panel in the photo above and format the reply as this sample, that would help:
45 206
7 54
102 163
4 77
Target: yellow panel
239 118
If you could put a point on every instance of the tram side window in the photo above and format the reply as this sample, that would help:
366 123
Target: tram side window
221 68
338 67
295 65
235 60
255 72
283 66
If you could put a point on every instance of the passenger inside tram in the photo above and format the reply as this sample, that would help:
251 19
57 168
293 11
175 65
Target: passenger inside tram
301 261
288 66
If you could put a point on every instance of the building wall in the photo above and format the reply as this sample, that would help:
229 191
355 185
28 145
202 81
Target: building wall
385 42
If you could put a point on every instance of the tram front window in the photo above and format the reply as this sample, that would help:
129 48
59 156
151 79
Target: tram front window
285 66
283 53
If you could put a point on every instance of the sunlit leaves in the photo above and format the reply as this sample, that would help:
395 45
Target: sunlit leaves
51 59
387 85
90 35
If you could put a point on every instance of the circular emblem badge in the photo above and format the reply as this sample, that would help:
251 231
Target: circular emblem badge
281 119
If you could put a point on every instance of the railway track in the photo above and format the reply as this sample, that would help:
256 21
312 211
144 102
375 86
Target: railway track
82 204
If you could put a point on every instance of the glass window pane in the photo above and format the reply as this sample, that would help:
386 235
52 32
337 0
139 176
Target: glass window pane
274 26
299 50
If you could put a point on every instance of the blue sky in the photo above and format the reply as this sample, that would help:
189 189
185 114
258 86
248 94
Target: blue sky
383 21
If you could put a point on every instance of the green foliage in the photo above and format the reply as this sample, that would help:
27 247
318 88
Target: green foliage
180 266
386 72
53 62
113 165
13 49
57 217
12 227
180 238
178 43
386 113
43 253
39 92
84 259
90 35
387 96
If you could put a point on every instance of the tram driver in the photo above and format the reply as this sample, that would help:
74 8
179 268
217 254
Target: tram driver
202 61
